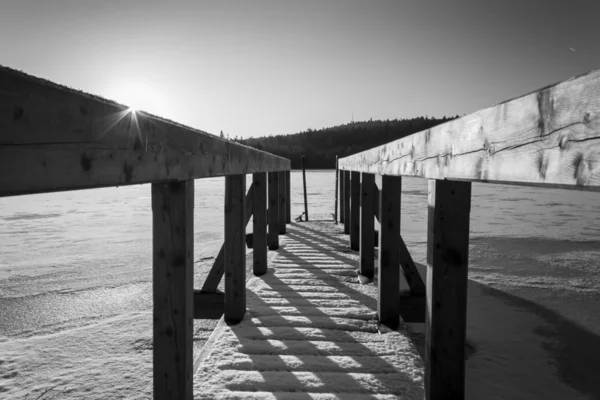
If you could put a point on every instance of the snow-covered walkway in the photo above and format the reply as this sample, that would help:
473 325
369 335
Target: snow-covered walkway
310 332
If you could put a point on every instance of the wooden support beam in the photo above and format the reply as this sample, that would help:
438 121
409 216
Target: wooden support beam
388 304
347 202
343 189
547 138
447 266
172 288
54 138
235 248
282 202
218 269
409 270
208 305
335 207
367 226
273 211
259 223
288 204
376 196
354 210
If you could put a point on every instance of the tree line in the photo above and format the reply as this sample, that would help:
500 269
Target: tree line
320 146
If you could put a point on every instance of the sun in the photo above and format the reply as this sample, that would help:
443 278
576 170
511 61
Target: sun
138 96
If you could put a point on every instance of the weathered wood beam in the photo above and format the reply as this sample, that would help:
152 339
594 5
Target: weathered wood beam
282 202
548 138
259 223
347 189
288 204
388 304
235 248
354 210
172 288
367 226
218 269
409 270
447 266
273 211
342 196
208 305
54 138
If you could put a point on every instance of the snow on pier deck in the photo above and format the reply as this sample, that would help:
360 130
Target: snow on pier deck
310 332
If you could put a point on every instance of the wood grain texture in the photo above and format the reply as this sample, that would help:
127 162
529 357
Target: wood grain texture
548 138
282 202
355 210
259 223
342 196
447 267
388 305
235 248
288 204
273 211
218 269
347 189
172 288
367 226
53 138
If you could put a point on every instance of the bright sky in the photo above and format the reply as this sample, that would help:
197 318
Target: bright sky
254 68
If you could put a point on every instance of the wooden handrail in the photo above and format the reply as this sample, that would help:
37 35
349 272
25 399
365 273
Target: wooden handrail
54 138
548 138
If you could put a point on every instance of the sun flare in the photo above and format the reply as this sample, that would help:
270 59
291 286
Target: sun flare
139 96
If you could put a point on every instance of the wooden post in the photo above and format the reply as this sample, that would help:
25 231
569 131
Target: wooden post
447 266
342 196
304 182
367 226
259 223
172 288
273 211
235 248
288 182
388 301
282 202
354 210
346 202
335 206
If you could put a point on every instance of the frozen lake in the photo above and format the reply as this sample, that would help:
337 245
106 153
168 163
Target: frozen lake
75 273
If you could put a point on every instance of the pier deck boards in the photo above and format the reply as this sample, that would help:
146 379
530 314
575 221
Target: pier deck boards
310 332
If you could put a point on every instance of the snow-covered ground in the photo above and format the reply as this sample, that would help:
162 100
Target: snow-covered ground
75 272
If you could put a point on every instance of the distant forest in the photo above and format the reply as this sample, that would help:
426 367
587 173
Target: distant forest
321 146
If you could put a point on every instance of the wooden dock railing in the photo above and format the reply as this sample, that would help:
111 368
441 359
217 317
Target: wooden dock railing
548 138
53 138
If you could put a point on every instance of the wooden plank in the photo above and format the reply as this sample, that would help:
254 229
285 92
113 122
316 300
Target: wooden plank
208 305
347 189
235 248
259 223
548 138
172 288
389 262
342 195
273 211
376 196
355 210
282 202
409 269
447 266
304 184
54 138
288 204
218 269
335 206
367 226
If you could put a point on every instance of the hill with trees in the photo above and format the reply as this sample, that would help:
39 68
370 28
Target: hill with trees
322 145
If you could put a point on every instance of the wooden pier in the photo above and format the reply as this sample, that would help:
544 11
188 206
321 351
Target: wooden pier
303 328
